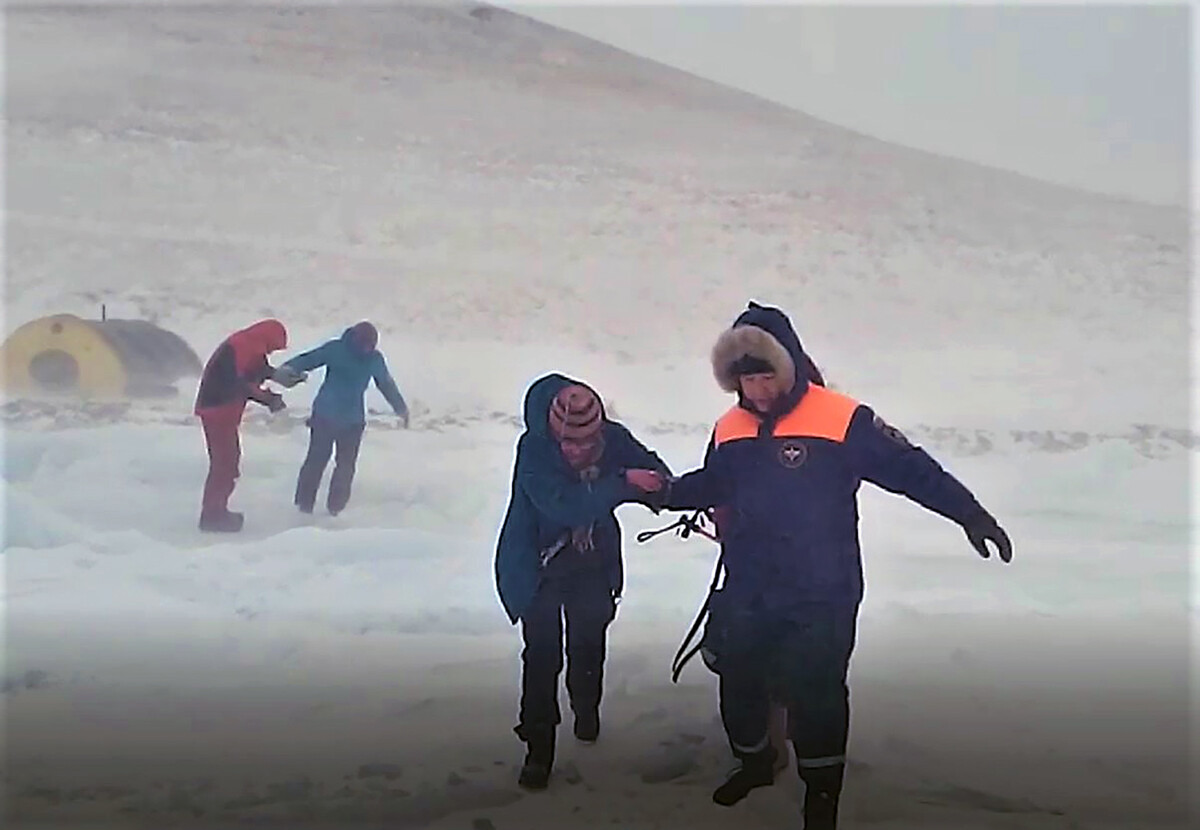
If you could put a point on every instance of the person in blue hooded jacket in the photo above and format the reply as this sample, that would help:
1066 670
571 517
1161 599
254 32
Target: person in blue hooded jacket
783 466
559 553
338 417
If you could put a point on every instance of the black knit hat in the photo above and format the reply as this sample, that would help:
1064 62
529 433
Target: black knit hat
748 364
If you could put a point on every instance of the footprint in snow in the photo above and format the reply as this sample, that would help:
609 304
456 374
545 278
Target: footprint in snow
670 767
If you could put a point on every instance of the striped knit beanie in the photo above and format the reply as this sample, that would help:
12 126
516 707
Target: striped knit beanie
575 414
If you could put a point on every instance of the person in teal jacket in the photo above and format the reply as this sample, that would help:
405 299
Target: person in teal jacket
559 555
338 417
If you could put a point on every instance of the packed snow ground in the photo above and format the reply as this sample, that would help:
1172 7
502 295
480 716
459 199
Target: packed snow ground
361 667
506 200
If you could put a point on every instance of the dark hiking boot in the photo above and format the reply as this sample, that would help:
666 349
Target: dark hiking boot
587 725
226 522
823 787
756 770
535 775
539 759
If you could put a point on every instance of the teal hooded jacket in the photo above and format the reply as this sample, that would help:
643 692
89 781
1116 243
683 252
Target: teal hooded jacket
548 500
348 372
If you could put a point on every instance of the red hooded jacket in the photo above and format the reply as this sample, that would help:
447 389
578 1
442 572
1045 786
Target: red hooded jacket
236 370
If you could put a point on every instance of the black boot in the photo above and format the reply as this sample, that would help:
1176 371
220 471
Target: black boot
757 770
823 788
225 521
587 724
539 757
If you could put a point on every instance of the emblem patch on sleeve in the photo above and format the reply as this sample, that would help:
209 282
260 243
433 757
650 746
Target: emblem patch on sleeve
891 432
793 454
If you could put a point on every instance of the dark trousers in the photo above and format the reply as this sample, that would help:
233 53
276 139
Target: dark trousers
801 661
324 438
224 459
586 602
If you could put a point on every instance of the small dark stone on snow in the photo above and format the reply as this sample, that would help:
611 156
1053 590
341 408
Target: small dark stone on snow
291 790
46 793
32 679
388 771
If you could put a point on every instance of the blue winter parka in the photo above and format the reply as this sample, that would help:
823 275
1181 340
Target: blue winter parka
787 487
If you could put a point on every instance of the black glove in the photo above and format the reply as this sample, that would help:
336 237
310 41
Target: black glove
275 403
983 529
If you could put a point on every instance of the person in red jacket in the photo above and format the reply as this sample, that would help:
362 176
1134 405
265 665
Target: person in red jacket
233 376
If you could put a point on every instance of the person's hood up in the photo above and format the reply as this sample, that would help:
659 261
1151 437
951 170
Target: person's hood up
361 338
257 341
767 334
539 396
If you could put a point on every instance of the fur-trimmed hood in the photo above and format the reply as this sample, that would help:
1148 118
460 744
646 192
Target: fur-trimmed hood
767 334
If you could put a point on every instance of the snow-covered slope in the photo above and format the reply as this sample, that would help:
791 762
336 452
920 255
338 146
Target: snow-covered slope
490 179
503 198
361 669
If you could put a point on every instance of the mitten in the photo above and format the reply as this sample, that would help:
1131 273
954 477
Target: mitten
984 528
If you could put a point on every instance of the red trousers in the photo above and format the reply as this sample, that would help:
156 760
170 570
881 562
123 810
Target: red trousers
221 428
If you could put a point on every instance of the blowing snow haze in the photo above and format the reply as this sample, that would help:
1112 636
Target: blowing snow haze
467 174
503 199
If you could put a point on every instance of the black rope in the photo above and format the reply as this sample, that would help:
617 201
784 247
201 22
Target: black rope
681 659
684 527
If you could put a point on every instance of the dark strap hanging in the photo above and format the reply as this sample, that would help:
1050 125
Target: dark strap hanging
684 527
681 658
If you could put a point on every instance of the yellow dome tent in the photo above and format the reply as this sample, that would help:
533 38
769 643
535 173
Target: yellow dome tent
69 356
